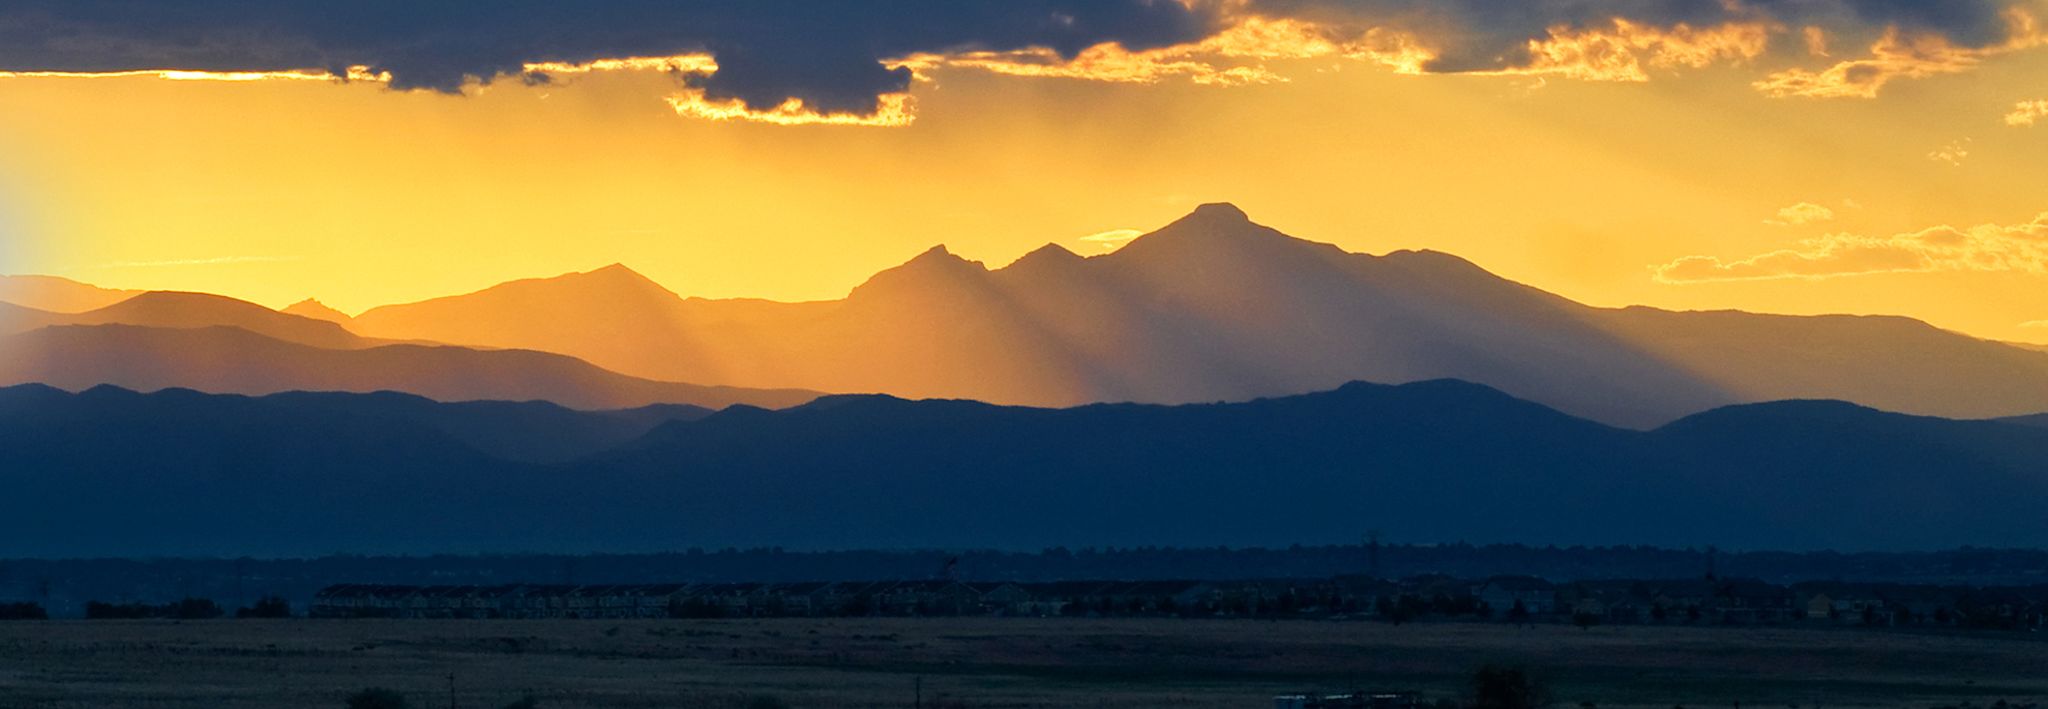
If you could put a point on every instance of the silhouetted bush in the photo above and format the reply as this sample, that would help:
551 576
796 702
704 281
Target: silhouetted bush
194 609
26 610
525 702
266 607
377 698
96 610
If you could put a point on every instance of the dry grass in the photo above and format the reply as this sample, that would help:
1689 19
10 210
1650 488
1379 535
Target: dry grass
981 663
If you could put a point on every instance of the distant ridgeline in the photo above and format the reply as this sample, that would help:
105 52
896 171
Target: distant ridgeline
109 472
64 587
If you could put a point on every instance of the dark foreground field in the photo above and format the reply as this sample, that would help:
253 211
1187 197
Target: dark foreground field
984 663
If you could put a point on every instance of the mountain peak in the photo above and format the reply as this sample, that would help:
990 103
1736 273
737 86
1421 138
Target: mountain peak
1052 251
1046 255
939 258
1219 211
617 271
1214 233
1045 261
313 308
936 265
615 276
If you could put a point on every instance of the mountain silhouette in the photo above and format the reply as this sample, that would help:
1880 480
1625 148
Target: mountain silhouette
177 310
1216 307
2039 420
310 308
611 314
1442 459
15 318
525 431
237 361
58 295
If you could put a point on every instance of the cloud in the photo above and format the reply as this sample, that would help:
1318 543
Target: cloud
1952 153
2035 324
1802 213
354 73
1900 54
1112 238
1235 55
1621 52
891 110
1986 247
2025 113
1816 40
828 56
802 62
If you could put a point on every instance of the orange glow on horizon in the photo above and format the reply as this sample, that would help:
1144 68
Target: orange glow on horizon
278 186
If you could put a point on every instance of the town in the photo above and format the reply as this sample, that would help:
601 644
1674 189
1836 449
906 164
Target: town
1513 599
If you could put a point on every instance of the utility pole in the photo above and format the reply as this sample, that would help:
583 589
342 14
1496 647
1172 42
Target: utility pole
1372 553
919 696
451 690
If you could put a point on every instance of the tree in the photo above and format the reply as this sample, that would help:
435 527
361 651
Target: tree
195 609
1519 614
377 698
266 607
1585 620
524 702
26 610
1496 687
101 610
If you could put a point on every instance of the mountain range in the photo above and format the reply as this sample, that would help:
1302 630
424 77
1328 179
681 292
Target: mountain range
1214 307
601 411
160 340
113 472
1211 307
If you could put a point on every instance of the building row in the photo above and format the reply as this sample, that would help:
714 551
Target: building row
714 600
1507 598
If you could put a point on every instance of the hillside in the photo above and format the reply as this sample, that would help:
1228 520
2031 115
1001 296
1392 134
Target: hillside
58 295
166 309
1440 460
236 361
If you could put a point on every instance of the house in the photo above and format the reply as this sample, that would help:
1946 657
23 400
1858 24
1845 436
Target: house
1752 601
1003 598
1502 594
1154 597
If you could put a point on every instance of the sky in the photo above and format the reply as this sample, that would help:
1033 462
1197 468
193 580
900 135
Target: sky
1795 156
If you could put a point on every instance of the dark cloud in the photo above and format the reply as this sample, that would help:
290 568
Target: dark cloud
1483 35
826 53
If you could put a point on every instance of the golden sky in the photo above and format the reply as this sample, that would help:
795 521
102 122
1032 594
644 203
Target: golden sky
1699 187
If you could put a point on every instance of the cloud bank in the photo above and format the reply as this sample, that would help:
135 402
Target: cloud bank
2019 247
793 61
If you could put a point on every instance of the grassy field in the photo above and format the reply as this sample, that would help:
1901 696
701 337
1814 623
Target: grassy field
229 664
